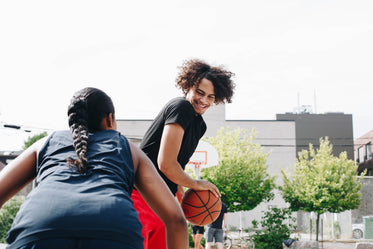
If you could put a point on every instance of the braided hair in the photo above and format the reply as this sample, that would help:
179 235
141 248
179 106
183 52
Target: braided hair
85 113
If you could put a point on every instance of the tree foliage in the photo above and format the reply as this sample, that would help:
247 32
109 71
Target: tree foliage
277 225
241 174
322 182
33 139
7 214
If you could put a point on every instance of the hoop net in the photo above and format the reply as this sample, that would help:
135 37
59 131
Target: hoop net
198 159
197 165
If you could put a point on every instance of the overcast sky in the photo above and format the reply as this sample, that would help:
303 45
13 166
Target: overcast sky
282 53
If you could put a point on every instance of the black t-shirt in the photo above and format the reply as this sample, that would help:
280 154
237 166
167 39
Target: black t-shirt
218 223
179 111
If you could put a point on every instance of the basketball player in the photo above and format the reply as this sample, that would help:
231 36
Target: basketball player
215 230
174 134
197 235
85 178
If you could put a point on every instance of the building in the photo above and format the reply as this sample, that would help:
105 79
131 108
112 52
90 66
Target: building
364 153
309 128
276 136
283 138
7 156
364 161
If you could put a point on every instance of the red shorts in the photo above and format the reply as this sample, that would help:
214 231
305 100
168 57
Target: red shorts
153 229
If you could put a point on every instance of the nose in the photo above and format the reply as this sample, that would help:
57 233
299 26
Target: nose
204 100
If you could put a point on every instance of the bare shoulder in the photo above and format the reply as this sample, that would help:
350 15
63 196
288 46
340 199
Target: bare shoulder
136 154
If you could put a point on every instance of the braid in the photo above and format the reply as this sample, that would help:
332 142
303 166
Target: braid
78 120
87 109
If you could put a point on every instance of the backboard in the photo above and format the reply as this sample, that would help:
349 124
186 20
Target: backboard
204 156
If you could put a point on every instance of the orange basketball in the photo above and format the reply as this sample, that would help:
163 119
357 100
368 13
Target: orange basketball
201 207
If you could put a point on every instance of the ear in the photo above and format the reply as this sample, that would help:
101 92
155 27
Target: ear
108 122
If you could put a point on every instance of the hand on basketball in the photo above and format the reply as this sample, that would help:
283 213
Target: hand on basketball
206 185
201 207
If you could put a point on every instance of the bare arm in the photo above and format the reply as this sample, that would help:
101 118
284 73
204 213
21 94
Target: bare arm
224 222
180 193
160 199
167 160
19 172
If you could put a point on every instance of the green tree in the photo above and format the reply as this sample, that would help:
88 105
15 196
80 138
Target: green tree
277 225
241 174
33 139
322 182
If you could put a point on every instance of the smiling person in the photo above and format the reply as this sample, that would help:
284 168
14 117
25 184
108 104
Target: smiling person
84 178
174 135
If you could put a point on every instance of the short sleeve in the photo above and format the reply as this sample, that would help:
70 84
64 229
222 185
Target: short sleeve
180 112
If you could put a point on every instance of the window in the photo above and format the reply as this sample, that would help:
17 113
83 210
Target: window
361 154
369 172
369 151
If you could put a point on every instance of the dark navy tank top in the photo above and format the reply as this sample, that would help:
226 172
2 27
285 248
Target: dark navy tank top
67 204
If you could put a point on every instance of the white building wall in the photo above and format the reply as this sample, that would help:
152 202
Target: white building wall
277 137
134 130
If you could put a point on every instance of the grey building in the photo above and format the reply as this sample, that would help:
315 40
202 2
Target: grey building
283 138
309 128
276 136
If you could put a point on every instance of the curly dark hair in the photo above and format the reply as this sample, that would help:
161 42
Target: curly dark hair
194 70
87 109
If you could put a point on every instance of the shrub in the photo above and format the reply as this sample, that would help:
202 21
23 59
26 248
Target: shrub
7 214
276 226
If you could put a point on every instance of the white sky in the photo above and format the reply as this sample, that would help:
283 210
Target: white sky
131 49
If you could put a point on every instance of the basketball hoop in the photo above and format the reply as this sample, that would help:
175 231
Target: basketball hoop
204 156
197 165
197 168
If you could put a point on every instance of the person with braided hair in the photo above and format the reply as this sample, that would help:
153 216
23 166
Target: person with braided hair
84 180
174 135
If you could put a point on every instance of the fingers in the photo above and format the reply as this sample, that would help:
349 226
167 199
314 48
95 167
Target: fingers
215 190
206 185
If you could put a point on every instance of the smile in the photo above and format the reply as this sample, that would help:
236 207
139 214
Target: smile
201 106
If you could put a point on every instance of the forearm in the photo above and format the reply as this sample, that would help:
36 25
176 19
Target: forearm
160 199
168 164
177 175
17 175
8 189
179 194
177 234
224 222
